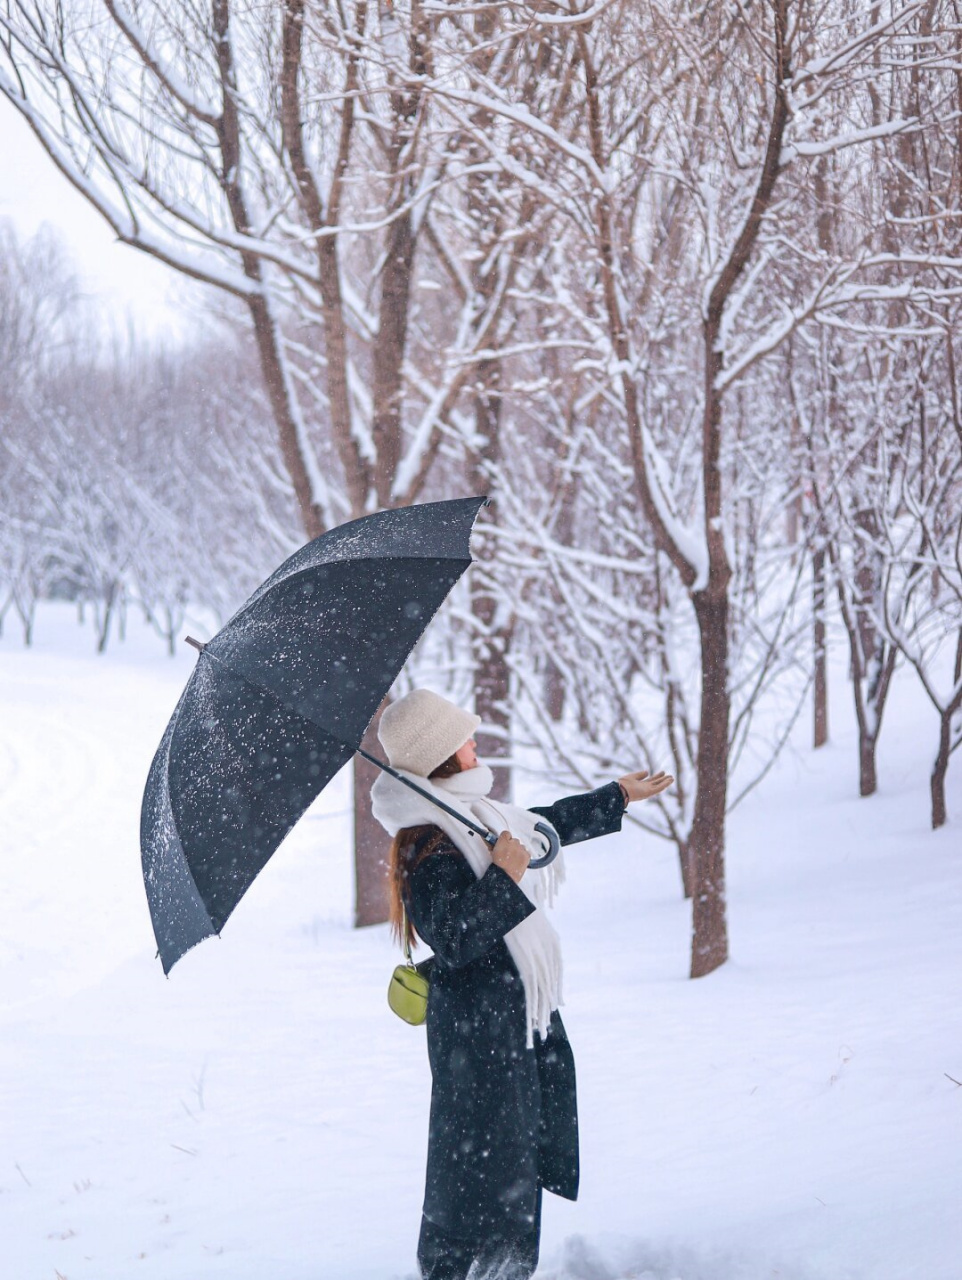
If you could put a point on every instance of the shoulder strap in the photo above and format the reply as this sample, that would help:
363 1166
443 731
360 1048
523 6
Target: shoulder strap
404 937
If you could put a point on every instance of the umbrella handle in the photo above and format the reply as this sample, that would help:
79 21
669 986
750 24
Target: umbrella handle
554 845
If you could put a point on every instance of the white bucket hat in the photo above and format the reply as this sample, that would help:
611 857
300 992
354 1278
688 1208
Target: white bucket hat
422 729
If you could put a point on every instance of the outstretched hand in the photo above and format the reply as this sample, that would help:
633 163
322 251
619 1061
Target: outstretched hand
642 785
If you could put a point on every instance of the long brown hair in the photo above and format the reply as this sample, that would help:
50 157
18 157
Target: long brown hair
401 860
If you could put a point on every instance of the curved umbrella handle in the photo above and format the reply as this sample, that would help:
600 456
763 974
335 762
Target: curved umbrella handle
554 845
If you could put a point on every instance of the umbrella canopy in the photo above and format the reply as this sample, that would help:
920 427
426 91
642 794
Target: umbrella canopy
279 701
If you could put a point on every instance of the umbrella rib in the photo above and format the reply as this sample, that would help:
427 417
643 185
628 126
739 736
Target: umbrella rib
215 932
310 568
266 688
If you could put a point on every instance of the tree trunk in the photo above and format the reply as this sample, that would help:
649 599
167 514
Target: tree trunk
687 869
280 392
937 781
104 631
872 664
26 610
870 716
867 775
492 690
947 715
371 843
388 356
492 678
826 243
820 685
554 692
709 946
491 638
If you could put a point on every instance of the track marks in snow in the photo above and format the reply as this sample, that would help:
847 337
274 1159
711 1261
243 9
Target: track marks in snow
584 1259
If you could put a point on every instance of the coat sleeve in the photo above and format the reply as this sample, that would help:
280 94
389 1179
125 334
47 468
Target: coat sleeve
459 916
596 813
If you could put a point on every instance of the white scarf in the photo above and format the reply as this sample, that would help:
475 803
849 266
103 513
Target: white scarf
534 944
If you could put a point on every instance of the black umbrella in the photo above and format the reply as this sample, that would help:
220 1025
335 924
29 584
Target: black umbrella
280 700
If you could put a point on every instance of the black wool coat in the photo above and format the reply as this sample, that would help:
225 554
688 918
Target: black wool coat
504 1117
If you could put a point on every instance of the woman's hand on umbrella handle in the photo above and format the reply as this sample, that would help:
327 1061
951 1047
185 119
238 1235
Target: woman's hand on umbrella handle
510 855
642 785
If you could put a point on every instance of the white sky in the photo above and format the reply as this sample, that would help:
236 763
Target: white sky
130 285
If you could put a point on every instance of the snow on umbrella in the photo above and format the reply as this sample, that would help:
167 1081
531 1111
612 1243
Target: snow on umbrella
279 701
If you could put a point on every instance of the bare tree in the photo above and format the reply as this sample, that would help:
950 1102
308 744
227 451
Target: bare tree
856 381
920 546
684 175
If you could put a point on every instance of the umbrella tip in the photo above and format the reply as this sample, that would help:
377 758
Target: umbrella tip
196 644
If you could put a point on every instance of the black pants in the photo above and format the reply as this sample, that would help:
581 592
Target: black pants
442 1256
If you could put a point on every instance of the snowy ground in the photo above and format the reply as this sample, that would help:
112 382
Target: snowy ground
262 1116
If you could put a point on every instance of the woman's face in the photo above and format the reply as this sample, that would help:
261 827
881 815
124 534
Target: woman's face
466 756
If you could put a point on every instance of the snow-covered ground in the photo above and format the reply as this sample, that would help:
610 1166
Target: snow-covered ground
261 1115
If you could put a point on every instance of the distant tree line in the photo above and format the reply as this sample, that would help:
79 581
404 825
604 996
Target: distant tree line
134 475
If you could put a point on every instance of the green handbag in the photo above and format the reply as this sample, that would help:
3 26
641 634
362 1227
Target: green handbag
407 992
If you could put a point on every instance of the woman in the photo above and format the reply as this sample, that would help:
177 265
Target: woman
503 1106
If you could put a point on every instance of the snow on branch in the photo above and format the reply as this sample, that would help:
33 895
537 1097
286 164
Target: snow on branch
687 538
164 72
792 150
118 214
842 58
